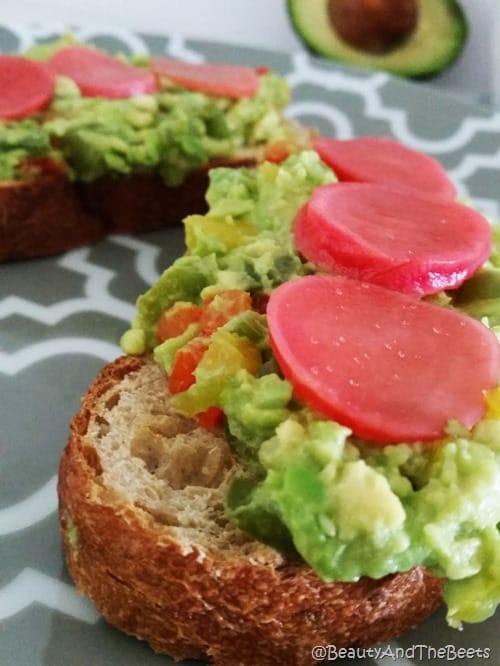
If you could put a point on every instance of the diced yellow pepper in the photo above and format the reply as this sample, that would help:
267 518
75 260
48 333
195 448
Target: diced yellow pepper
493 402
225 230
227 353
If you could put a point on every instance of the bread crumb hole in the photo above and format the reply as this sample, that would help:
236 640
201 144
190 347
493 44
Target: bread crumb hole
164 465
92 457
180 454
112 401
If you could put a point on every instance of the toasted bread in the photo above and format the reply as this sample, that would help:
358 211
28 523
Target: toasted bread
49 213
42 216
143 202
141 492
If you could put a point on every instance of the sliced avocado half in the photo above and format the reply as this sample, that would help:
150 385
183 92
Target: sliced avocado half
436 42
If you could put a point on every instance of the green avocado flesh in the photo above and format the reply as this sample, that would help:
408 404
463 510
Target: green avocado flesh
170 132
18 141
435 43
308 486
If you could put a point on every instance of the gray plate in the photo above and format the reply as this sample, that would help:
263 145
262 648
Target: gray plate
61 318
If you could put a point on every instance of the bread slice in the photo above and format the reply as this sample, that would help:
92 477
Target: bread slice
142 202
42 216
141 492
49 214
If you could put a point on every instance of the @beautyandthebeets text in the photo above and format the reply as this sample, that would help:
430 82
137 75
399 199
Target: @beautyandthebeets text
418 652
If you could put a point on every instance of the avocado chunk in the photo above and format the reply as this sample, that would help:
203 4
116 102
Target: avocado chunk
480 296
434 43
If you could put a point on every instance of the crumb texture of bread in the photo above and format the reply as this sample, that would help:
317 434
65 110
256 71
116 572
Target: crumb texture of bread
141 505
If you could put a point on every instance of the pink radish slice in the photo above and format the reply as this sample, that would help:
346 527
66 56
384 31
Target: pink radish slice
209 78
398 239
391 368
382 160
99 75
26 87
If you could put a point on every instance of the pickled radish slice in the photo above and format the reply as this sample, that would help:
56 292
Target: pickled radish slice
27 86
382 160
388 366
210 78
100 75
398 239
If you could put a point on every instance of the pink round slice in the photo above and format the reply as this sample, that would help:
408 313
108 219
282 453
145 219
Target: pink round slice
210 78
100 75
398 239
382 160
388 366
26 87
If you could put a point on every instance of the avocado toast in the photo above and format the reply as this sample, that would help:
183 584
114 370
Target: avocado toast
81 159
207 459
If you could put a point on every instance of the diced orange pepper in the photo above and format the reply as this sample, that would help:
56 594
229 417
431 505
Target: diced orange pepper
277 151
220 308
176 319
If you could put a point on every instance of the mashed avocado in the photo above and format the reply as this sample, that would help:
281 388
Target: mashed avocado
479 296
310 487
19 142
170 132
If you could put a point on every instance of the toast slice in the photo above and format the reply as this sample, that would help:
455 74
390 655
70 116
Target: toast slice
143 202
87 164
141 493
49 214
43 216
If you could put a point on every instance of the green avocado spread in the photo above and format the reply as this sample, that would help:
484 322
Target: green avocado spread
310 488
21 142
169 132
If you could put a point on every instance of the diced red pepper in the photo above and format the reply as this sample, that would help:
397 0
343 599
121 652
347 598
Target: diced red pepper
185 363
34 167
210 418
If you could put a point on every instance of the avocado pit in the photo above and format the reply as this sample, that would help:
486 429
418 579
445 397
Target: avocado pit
374 26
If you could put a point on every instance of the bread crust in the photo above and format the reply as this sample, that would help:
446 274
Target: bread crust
50 214
43 216
144 203
192 603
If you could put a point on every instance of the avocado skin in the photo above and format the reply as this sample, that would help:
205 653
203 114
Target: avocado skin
399 64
